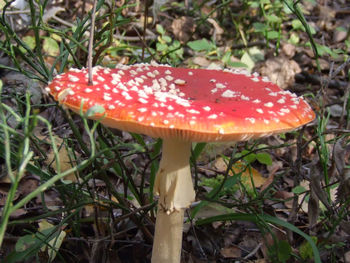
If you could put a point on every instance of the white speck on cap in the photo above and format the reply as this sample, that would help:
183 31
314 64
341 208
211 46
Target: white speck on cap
285 110
180 82
193 111
142 109
150 74
107 97
252 120
268 104
139 80
206 108
168 78
126 95
220 86
229 94
73 78
245 98
142 100
212 116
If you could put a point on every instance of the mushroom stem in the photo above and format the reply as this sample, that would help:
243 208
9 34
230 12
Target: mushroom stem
168 236
175 189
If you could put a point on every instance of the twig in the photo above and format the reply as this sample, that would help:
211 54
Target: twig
63 22
340 68
253 251
131 38
249 44
18 12
145 17
91 42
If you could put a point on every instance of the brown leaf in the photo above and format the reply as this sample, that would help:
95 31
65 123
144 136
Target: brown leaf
65 161
27 185
201 61
313 208
280 70
284 195
51 199
231 252
288 49
3 194
218 31
183 28
247 173
347 257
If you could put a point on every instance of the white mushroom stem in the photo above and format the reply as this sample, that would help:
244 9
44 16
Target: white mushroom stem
175 189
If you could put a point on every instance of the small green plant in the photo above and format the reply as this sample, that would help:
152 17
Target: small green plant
167 48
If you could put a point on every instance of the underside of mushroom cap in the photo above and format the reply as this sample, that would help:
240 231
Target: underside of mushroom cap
187 104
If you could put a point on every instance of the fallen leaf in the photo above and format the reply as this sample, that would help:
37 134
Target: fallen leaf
65 162
288 49
287 196
27 185
55 243
231 252
51 12
218 31
347 257
3 194
280 70
247 173
201 61
183 28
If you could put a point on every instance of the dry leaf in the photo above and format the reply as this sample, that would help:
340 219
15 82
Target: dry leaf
347 257
284 195
3 194
288 49
183 28
65 162
247 174
231 252
50 13
218 31
51 200
55 243
313 208
280 70
201 61
27 185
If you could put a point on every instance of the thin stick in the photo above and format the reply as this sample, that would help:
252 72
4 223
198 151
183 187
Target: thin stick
145 16
91 42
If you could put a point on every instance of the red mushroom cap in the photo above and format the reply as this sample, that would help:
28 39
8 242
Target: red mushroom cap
187 104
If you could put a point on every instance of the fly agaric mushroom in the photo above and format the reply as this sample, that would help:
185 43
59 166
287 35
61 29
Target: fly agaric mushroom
181 106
